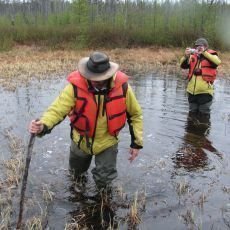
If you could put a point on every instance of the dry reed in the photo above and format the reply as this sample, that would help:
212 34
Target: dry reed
24 63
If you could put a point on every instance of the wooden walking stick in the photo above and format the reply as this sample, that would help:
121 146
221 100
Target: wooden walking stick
24 179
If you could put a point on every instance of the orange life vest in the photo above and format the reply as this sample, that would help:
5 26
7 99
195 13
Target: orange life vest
84 116
208 69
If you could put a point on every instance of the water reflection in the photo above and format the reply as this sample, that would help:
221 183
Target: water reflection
193 153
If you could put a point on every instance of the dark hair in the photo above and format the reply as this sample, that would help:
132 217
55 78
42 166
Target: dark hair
201 42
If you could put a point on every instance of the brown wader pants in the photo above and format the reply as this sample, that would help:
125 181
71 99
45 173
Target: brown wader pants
105 164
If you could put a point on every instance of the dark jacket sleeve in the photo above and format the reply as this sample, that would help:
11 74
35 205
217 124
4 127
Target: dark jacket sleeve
135 119
184 63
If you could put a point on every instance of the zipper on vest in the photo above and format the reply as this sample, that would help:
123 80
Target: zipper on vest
194 85
94 131
106 99
79 142
87 141
103 107
197 64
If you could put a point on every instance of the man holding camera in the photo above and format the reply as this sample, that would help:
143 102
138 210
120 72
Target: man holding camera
202 64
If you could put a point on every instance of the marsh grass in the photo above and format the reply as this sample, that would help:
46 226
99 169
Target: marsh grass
13 174
34 223
101 214
81 216
182 188
202 200
121 193
37 211
74 225
13 170
192 221
134 217
189 218
47 194
6 212
25 63
14 165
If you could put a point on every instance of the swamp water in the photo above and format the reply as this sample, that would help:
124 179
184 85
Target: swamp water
179 181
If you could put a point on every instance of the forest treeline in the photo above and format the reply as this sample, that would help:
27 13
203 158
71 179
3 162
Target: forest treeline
113 23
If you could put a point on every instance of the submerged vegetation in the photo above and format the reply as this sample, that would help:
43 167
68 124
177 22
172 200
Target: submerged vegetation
83 23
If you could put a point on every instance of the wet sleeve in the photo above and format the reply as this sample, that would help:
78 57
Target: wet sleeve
135 119
212 58
184 62
59 109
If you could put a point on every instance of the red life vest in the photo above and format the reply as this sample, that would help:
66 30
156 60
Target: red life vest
84 116
208 69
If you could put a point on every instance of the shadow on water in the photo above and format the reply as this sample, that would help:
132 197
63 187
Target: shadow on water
179 181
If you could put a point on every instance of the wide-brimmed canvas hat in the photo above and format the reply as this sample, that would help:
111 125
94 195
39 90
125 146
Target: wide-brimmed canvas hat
97 67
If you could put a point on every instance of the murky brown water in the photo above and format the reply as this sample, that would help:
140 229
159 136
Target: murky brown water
181 175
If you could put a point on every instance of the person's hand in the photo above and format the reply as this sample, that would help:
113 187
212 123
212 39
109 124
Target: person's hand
188 52
134 153
200 49
36 127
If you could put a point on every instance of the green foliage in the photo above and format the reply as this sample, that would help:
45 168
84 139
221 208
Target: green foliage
80 12
6 38
83 23
6 43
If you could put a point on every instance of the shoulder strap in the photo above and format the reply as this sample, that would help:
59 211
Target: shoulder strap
125 88
75 90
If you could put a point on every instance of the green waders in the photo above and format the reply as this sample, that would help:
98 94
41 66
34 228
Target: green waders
105 164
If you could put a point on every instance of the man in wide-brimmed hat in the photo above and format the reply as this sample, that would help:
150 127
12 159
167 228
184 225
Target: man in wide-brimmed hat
202 64
98 101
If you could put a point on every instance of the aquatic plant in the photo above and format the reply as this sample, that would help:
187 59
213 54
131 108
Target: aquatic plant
134 218
34 223
13 169
14 165
6 212
189 217
202 199
74 226
47 194
182 188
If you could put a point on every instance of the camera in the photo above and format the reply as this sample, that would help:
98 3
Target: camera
192 51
